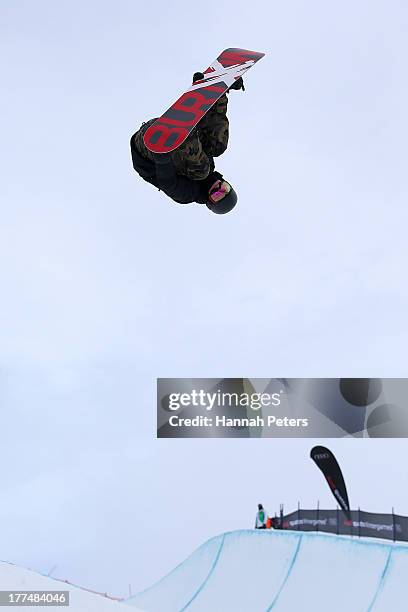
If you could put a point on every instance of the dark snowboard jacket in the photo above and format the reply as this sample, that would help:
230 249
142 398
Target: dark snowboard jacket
162 174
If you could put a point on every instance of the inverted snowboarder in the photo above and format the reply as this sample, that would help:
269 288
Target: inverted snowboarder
198 121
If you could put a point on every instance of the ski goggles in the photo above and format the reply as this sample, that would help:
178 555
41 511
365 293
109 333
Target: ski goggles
218 191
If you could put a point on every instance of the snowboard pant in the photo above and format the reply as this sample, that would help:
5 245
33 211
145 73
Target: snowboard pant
209 139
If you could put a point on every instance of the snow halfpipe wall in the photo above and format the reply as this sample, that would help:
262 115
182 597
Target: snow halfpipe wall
258 571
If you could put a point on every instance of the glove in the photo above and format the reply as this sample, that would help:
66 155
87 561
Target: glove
198 76
211 178
239 84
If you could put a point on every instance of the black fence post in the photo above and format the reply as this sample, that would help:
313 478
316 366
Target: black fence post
393 526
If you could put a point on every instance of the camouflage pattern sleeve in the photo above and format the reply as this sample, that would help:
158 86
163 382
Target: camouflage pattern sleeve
213 128
191 160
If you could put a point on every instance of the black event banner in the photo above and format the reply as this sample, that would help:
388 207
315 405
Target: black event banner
354 523
282 407
327 463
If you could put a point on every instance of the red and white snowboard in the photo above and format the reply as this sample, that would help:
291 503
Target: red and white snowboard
173 127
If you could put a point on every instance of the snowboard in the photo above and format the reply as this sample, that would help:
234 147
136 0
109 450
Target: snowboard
173 127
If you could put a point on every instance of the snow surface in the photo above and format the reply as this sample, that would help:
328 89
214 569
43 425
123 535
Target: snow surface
16 578
251 571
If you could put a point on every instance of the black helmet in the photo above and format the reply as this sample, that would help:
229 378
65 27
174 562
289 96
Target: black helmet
224 205
260 507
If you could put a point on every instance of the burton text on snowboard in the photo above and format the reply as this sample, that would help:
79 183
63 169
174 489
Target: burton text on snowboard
173 127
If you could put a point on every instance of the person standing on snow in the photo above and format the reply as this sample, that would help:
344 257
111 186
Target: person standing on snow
188 173
261 518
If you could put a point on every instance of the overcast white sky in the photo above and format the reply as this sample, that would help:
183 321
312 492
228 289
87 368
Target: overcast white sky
105 284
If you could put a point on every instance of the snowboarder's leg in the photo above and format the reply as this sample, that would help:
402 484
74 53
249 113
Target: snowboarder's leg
214 128
189 159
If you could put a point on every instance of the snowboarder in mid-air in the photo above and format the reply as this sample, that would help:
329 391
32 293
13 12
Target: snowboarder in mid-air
188 174
261 520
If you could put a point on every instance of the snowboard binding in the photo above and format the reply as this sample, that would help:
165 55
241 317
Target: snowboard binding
239 83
